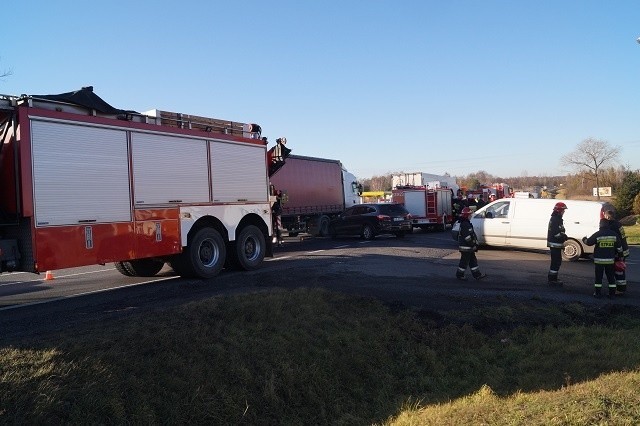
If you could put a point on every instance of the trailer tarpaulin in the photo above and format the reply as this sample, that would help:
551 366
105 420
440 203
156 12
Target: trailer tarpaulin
86 98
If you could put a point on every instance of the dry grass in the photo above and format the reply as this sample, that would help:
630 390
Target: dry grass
316 357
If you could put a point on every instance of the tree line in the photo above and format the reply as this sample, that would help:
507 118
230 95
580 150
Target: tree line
591 163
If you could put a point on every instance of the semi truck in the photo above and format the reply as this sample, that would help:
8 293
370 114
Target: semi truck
313 191
84 183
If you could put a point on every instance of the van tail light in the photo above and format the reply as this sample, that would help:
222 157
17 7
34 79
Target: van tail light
383 217
409 217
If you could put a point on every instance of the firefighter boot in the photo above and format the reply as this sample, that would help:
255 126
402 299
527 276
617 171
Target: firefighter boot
554 281
597 292
460 274
612 291
479 275
621 287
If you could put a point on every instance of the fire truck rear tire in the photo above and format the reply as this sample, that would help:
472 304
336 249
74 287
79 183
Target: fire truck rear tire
250 248
144 267
123 269
204 257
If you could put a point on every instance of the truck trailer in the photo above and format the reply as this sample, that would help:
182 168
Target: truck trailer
84 183
314 190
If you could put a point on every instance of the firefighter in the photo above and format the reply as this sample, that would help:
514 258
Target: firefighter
457 204
608 247
276 212
555 241
468 245
480 203
620 264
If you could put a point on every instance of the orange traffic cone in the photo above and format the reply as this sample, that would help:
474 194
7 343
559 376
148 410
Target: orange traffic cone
48 276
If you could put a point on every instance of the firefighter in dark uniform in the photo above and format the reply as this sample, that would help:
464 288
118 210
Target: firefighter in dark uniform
457 204
276 212
555 241
468 245
608 246
620 264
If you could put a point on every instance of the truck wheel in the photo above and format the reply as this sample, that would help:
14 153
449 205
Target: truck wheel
250 248
141 267
205 255
122 268
572 250
368 232
323 226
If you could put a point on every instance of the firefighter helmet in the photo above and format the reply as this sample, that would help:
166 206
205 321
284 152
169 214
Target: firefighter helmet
559 207
619 266
465 213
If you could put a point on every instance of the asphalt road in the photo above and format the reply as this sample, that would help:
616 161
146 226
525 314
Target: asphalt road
415 271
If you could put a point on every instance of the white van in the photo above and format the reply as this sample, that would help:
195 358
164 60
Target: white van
523 223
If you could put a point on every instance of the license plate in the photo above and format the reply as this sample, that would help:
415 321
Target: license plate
397 219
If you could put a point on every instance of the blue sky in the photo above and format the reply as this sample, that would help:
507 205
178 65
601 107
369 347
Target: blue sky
454 87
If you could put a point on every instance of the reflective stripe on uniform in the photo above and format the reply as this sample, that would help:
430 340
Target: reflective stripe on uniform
601 261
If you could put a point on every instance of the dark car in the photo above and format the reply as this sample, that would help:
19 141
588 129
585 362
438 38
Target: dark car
369 220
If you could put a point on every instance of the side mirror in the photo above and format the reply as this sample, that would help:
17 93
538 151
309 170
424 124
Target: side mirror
488 215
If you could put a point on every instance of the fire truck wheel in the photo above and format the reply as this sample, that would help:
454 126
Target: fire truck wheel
368 233
123 269
250 248
143 267
205 255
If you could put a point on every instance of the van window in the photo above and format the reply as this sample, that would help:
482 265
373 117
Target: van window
500 209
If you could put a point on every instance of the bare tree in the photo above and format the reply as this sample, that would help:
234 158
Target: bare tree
5 73
591 154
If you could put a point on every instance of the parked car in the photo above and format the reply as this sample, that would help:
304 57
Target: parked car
369 220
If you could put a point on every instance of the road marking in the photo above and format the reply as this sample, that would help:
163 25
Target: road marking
339 247
86 293
315 251
56 277
273 259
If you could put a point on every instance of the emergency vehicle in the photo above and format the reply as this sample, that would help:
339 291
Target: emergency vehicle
499 190
84 183
429 207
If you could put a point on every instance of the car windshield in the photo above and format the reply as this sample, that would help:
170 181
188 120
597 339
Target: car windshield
392 209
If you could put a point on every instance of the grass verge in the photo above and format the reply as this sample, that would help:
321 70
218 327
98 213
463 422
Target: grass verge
316 357
633 233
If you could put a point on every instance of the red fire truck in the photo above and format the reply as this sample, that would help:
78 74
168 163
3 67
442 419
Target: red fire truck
429 207
84 183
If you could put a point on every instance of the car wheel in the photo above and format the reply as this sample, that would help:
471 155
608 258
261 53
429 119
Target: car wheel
572 250
368 232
